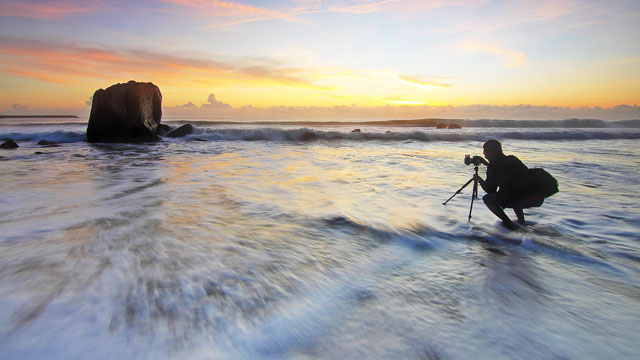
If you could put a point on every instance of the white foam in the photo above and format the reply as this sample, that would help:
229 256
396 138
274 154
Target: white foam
404 134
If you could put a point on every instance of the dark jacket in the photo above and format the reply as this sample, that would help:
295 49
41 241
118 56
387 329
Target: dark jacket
508 176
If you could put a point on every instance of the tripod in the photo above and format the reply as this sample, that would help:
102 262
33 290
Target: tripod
474 195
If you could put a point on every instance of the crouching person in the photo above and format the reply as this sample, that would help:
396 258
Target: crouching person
510 184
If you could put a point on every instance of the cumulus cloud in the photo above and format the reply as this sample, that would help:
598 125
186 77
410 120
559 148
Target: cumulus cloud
212 103
189 105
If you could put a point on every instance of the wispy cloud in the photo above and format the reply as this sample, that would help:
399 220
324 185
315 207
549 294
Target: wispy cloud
403 101
248 14
513 58
423 82
45 9
222 8
69 63
83 65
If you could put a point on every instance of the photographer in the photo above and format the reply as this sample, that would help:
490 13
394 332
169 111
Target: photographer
507 184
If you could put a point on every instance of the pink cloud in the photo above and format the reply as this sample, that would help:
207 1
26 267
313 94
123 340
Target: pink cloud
292 13
222 8
45 10
68 64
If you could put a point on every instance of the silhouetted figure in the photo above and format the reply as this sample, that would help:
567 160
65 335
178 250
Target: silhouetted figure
508 184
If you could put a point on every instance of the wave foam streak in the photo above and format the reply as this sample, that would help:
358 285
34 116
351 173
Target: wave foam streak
316 243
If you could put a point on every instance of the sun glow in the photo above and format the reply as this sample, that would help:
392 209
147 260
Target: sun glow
330 54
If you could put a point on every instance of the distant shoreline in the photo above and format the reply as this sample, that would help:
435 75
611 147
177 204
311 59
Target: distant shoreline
38 117
396 123
433 122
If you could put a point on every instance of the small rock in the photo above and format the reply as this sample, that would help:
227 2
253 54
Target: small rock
356 131
9 144
441 126
164 129
455 126
183 130
46 143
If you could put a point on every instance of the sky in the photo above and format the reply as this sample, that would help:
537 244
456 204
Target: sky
542 59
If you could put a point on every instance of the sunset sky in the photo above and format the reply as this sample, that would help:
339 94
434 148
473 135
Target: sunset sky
306 58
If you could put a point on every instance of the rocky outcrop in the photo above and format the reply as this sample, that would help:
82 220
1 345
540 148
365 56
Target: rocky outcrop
181 131
441 126
356 130
9 144
125 112
454 126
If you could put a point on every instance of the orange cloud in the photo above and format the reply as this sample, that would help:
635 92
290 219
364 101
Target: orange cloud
239 79
63 63
45 10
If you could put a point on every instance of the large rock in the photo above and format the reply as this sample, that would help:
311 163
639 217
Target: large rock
125 112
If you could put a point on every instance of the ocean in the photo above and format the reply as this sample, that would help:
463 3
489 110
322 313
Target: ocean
308 241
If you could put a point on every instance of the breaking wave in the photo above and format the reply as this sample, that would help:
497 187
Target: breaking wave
567 123
481 131
308 134
59 136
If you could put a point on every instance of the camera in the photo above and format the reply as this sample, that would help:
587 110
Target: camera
476 160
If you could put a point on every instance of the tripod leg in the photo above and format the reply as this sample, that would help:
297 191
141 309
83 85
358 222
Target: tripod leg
473 197
458 192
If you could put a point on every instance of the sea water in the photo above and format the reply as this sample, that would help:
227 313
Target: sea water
313 242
